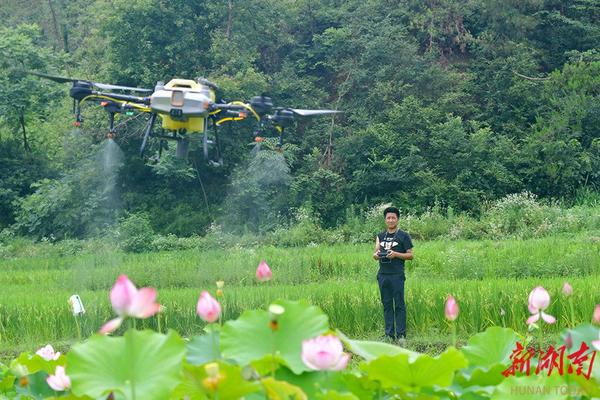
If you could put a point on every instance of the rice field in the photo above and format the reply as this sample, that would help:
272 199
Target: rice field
485 277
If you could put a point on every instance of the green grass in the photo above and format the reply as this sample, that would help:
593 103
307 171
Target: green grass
483 276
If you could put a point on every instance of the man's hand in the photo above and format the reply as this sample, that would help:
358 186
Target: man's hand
392 254
376 255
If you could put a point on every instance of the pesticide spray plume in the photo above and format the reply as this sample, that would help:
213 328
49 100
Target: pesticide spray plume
257 191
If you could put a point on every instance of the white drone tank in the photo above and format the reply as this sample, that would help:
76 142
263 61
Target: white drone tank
182 104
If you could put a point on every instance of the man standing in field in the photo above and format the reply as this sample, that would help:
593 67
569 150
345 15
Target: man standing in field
392 248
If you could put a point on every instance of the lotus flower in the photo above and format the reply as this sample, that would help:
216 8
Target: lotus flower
567 289
451 309
596 316
127 301
324 353
596 343
47 353
208 308
263 272
59 381
569 340
539 300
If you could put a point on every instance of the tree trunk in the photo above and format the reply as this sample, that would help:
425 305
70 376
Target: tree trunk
25 142
55 24
229 18
65 35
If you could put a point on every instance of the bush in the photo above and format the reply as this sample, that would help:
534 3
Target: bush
305 230
171 242
135 233
429 225
516 215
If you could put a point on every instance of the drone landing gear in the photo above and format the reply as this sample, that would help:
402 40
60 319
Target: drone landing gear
279 147
147 133
206 142
183 146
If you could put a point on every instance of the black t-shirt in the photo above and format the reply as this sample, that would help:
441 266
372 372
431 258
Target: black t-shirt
398 241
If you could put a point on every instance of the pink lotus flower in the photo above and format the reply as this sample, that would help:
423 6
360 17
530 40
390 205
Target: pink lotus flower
567 289
539 300
596 343
451 309
263 272
596 316
208 308
128 301
59 381
47 353
324 353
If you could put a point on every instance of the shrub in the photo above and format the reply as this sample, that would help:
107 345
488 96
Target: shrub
135 233
171 242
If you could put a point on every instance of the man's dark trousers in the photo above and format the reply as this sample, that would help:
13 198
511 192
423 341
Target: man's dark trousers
391 287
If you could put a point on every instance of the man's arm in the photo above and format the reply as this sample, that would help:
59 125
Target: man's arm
375 256
403 256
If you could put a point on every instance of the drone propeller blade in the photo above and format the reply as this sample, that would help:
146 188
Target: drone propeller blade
107 86
55 78
310 113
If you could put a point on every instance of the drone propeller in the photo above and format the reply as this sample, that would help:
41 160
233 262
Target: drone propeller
106 86
310 113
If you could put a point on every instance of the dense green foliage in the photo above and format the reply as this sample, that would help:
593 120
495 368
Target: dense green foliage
451 103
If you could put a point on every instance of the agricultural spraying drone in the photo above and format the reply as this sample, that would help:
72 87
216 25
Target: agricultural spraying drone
188 110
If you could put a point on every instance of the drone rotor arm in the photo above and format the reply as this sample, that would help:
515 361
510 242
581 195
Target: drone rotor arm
235 106
227 119
123 102
247 107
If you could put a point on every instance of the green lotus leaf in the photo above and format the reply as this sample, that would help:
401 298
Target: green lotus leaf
370 350
424 371
583 333
360 385
589 386
250 337
68 396
139 365
231 384
316 382
280 390
309 382
487 376
333 395
267 364
35 363
491 347
7 382
36 387
202 349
